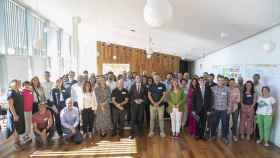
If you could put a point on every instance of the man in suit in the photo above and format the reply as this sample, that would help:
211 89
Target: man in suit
202 101
137 102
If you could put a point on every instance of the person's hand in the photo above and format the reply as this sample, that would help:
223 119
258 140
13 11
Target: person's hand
73 130
44 134
156 104
252 108
121 108
16 118
208 113
102 109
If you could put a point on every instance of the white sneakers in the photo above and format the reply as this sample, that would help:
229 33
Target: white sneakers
265 144
151 134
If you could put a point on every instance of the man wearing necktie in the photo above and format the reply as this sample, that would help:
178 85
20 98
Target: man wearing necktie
137 99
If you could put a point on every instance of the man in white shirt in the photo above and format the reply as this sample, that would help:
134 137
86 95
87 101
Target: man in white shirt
110 82
47 85
76 91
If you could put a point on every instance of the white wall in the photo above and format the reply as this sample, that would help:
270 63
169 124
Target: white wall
247 52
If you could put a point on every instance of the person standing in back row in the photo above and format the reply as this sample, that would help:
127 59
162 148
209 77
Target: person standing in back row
156 95
119 99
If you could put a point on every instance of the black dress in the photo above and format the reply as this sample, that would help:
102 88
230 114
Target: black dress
18 126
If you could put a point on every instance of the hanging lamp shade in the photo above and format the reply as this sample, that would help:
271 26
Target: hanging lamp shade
157 12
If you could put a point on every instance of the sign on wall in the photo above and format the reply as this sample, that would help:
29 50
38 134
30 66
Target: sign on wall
116 68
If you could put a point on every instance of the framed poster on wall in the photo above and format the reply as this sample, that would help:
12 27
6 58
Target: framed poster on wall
116 68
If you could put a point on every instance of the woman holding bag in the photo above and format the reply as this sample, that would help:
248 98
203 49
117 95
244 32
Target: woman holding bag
38 94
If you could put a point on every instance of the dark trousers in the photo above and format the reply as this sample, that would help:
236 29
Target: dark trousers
35 107
118 119
57 118
87 117
39 139
220 115
234 127
137 118
257 134
111 111
201 124
147 113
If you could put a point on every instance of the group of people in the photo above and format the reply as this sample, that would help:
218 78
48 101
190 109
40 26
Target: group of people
90 105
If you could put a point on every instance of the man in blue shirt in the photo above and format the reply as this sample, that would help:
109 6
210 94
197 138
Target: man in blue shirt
70 118
156 95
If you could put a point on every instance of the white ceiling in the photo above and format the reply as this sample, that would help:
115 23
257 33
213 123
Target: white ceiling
194 30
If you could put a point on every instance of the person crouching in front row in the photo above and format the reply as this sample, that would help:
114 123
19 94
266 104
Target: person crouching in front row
70 119
43 126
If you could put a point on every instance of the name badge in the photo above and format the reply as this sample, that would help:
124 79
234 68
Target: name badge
159 88
123 92
224 93
249 95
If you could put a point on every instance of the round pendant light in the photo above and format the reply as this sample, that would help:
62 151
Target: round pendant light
157 12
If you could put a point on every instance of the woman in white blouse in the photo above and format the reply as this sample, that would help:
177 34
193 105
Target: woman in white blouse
88 106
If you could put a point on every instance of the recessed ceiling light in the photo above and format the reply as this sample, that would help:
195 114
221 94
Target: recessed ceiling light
224 35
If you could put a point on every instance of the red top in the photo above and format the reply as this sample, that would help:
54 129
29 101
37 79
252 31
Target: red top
27 99
41 119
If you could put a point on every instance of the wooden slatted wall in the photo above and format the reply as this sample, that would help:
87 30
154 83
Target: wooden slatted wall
160 63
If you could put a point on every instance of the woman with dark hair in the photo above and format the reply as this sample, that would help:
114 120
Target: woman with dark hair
176 106
192 119
58 98
38 94
88 106
248 102
15 115
265 111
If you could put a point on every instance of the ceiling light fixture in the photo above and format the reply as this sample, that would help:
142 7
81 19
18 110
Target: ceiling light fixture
157 12
223 35
149 50
269 46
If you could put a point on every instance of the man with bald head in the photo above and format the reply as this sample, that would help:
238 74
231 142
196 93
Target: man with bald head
120 101
70 119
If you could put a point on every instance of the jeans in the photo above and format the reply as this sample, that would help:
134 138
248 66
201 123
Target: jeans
40 141
220 115
75 137
176 117
154 111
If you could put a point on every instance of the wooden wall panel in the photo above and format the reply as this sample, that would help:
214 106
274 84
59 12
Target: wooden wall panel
160 63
